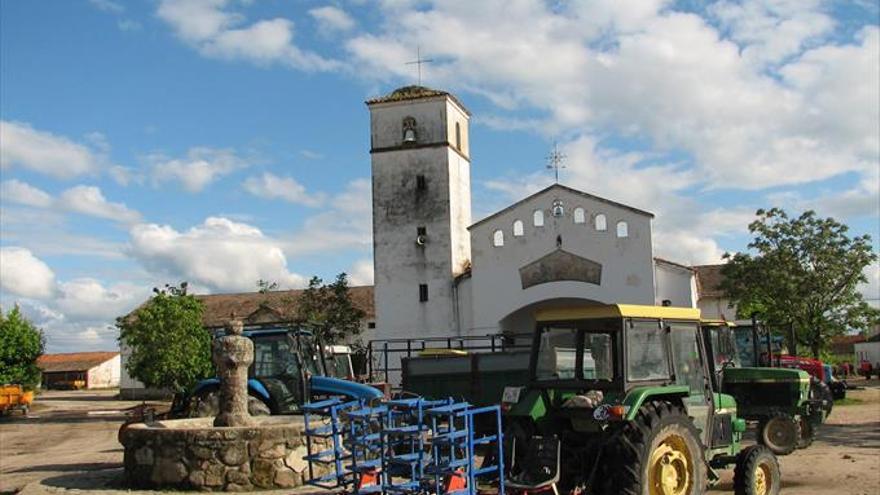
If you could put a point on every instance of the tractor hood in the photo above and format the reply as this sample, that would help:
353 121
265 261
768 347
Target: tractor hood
765 375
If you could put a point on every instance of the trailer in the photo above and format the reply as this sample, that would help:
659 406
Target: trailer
15 398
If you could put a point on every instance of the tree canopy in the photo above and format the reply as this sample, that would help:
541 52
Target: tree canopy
802 272
328 311
21 343
170 349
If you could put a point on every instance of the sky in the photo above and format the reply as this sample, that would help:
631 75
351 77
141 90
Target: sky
221 142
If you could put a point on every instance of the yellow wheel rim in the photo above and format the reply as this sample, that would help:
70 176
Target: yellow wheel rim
669 469
763 480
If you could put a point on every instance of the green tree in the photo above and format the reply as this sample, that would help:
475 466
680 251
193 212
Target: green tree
170 349
803 272
21 343
328 311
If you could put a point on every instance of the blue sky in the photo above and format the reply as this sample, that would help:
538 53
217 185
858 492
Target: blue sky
222 141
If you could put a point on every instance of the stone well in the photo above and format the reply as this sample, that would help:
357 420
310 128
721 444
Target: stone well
193 454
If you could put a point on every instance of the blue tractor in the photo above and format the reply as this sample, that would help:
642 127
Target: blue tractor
289 370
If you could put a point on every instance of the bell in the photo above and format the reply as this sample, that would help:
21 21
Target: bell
409 136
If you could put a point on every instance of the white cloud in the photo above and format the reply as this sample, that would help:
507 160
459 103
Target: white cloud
46 153
200 167
871 289
271 186
108 6
346 224
88 299
361 272
644 70
24 274
331 19
218 33
220 254
89 200
15 191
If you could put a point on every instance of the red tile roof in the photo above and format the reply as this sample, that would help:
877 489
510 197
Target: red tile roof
709 279
73 361
270 307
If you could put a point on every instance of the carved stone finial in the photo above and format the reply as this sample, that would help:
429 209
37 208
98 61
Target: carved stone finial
232 355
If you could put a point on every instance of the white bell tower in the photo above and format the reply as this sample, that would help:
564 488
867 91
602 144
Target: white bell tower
421 210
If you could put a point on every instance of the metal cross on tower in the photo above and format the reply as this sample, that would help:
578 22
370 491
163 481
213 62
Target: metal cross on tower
555 161
418 62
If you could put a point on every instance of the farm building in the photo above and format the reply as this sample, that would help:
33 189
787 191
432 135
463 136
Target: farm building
80 370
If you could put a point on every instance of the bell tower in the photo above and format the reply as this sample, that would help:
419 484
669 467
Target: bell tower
421 210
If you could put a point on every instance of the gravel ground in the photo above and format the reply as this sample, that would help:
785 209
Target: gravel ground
68 442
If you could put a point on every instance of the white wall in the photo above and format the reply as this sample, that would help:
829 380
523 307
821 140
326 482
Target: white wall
717 308
106 374
676 284
869 351
627 263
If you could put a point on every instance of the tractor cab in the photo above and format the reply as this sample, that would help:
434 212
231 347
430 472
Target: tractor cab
289 369
626 385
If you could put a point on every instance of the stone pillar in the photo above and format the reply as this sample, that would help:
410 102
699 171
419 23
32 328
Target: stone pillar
232 355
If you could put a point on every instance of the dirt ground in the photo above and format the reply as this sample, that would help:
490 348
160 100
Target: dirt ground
69 441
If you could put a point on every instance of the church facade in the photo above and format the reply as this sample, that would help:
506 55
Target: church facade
437 273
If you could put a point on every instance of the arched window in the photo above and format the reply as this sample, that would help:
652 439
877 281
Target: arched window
458 136
579 216
601 223
409 130
622 229
538 218
498 238
517 228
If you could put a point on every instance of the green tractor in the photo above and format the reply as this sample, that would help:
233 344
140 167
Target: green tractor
779 399
620 401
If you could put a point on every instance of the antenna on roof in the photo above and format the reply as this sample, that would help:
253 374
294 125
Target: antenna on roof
555 160
419 61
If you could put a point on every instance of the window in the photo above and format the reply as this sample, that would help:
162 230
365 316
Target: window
538 218
646 352
686 357
498 238
601 223
421 231
557 354
421 183
517 228
423 292
598 360
371 324
579 216
458 136
622 229
409 130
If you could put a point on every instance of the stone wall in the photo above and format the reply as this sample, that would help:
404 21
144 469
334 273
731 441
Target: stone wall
192 454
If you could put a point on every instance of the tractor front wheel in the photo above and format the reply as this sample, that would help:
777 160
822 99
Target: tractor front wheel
779 433
756 472
659 453
807 432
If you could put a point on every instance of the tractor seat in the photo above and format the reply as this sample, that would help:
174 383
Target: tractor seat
539 469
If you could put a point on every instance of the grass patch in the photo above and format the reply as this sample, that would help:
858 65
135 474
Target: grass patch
848 401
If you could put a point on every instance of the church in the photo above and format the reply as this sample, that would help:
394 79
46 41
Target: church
439 273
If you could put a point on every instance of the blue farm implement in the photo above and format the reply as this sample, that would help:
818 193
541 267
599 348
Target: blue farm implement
402 446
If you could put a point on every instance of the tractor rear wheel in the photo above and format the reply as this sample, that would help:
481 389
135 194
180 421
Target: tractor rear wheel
779 432
659 453
807 432
756 472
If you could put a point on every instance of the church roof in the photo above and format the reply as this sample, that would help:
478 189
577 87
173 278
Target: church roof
709 278
414 92
564 188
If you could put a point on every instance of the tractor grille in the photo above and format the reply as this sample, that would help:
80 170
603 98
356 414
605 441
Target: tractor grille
763 394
